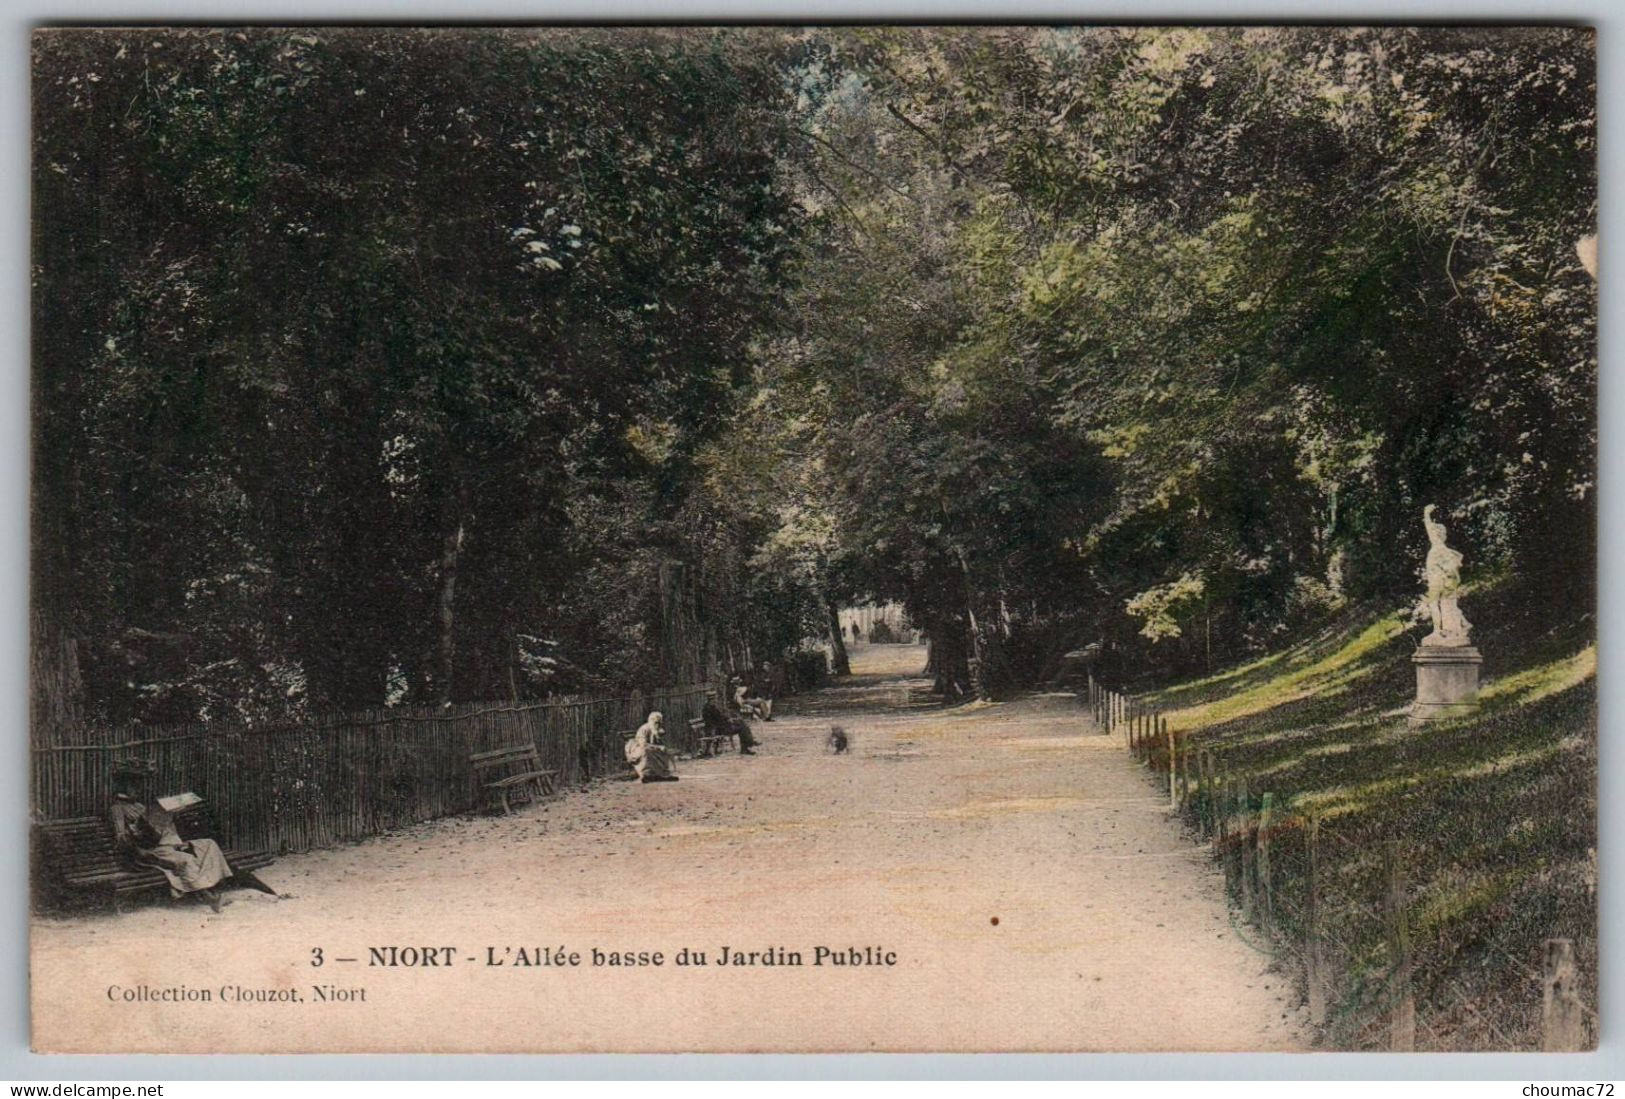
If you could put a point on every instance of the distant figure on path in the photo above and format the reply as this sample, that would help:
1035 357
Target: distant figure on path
857 633
767 689
646 754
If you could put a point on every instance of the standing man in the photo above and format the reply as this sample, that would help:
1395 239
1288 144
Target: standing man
766 690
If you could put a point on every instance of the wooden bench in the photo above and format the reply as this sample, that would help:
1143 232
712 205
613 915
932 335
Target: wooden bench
82 856
709 744
515 768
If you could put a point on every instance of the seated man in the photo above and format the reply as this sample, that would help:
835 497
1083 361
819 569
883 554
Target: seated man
146 834
719 722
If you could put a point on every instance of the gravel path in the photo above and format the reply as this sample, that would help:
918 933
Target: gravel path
1020 870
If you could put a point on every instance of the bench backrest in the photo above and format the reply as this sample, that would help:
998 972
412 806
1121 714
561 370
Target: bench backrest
82 845
85 845
512 756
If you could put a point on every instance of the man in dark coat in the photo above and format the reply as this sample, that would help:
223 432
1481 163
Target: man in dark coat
721 722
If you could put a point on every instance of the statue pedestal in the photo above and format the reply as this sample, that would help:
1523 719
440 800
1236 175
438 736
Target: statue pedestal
1446 682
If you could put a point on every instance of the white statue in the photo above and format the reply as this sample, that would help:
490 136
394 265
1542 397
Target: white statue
1443 574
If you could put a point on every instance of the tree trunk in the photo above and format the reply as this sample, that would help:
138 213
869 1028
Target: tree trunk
447 655
950 654
840 665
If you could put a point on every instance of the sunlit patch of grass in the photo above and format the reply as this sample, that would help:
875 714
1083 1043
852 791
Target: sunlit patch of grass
1543 680
1265 668
1219 679
1492 811
1317 751
1463 895
1320 678
1336 801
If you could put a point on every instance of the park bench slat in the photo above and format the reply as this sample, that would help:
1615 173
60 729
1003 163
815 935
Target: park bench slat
709 743
523 756
82 855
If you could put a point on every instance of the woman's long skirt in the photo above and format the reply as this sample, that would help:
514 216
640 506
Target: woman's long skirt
203 867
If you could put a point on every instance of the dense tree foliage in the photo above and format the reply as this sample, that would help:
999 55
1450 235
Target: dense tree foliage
375 365
1164 337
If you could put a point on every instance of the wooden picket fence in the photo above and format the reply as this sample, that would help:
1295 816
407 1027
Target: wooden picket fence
1357 882
295 787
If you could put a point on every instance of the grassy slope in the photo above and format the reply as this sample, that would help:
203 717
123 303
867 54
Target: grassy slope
1495 816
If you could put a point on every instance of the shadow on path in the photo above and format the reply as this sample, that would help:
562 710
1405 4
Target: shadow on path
885 679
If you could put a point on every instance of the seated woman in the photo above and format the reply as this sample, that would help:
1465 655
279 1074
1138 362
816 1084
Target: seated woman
647 755
146 833
719 722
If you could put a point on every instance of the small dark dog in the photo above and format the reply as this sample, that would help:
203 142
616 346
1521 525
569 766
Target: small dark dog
837 739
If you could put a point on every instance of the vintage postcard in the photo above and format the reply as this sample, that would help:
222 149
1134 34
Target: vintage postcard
1031 538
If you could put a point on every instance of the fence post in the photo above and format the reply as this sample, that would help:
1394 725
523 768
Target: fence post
1210 784
1185 778
1562 1029
1204 814
1266 819
1315 978
1247 867
1402 1002
1173 779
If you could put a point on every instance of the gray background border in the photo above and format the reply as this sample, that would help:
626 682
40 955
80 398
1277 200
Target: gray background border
17 17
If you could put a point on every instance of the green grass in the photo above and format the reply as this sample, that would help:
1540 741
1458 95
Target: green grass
1493 815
